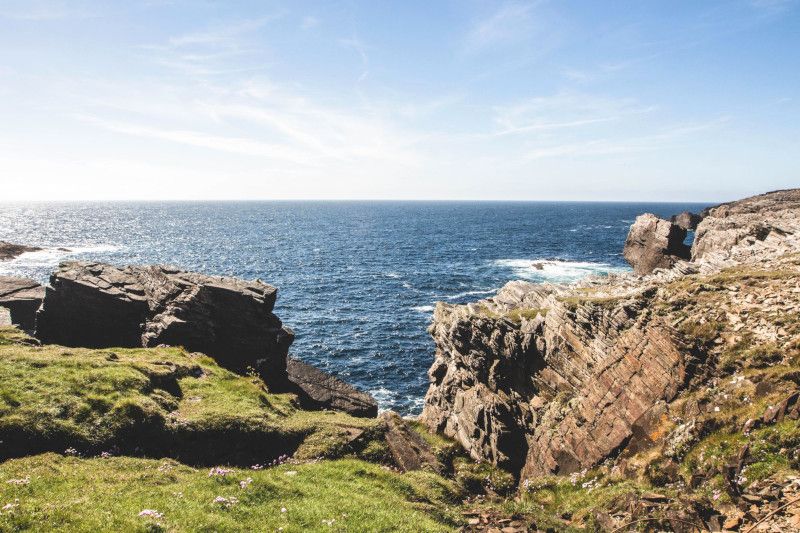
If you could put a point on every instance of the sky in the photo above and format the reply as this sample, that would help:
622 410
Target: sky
435 99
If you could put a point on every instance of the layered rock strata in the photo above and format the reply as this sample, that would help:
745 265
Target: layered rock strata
545 379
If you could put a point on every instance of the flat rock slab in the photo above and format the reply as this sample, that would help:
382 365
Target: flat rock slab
22 297
96 305
320 390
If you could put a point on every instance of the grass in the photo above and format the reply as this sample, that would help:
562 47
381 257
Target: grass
154 402
515 315
71 494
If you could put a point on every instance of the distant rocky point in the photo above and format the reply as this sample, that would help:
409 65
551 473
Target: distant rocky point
10 251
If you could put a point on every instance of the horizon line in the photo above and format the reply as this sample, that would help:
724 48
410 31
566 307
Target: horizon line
359 200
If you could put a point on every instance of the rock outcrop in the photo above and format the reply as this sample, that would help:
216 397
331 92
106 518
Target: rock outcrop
655 243
687 220
10 251
408 449
22 297
764 225
97 305
544 379
319 390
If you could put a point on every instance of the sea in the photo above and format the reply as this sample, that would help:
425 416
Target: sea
357 281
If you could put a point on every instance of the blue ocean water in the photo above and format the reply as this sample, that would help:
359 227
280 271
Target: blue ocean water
357 280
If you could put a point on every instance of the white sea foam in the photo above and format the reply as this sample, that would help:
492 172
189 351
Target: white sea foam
50 257
471 293
393 275
423 308
555 270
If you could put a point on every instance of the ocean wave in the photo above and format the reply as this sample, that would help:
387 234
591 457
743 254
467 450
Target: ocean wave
555 270
471 293
393 275
424 308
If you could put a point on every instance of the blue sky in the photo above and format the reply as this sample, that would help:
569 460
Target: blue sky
522 100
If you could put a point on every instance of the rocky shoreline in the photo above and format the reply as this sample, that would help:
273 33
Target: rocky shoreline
558 379
667 398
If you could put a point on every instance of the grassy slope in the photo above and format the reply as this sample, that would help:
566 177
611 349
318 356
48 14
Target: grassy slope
154 402
107 494
166 402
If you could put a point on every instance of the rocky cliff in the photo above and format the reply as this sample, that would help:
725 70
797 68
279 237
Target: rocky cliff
544 379
95 305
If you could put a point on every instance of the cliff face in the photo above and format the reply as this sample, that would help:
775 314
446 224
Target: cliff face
547 379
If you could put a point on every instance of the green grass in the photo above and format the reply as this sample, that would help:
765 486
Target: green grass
70 494
515 315
154 402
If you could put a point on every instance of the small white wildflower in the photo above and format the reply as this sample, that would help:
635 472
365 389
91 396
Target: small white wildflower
218 471
151 513
330 522
283 509
245 482
11 506
227 502
22 481
291 472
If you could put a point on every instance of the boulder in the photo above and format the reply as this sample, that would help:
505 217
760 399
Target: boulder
655 243
687 220
320 390
96 305
409 450
10 251
22 297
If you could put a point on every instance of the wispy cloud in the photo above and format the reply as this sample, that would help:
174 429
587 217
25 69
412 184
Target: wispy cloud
563 110
509 23
358 45
224 36
235 145
625 144
44 10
